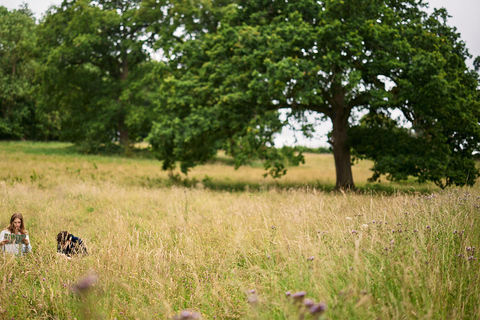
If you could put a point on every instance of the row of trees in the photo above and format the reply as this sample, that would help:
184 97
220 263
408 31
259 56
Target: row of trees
224 70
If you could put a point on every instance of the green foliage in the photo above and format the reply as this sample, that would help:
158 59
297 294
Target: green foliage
438 96
97 71
399 153
227 84
19 118
319 150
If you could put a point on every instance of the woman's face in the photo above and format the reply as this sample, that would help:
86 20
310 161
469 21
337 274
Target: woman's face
16 224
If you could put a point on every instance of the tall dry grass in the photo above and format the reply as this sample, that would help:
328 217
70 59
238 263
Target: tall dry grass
47 164
158 251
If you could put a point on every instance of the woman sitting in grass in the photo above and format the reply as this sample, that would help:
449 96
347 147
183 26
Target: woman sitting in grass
69 245
14 239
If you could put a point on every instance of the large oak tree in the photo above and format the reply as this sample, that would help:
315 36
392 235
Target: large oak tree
334 57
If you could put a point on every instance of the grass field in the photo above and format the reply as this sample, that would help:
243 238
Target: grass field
392 251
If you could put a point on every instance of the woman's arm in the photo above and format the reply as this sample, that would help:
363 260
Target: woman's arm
27 247
2 240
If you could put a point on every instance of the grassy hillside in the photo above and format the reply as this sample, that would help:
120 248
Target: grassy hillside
158 250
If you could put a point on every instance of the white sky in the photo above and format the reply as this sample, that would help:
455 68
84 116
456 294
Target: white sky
465 16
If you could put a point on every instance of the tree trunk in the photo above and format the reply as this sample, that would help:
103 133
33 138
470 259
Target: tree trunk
124 137
124 134
341 149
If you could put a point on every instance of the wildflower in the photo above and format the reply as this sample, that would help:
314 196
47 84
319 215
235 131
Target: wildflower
469 248
428 227
252 299
188 315
288 293
85 283
251 291
309 303
318 308
310 258
299 296
43 279
354 232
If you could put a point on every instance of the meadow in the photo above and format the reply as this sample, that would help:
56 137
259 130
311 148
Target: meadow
230 244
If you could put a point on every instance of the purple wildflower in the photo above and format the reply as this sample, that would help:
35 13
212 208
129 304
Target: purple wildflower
84 284
299 296
318 308
309 303
252 299
188 315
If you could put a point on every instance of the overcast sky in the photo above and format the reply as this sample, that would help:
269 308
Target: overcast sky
465 16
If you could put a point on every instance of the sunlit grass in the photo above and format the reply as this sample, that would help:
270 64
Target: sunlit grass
50 163
158 251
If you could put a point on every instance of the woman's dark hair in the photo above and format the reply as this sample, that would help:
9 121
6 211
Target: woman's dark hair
63 237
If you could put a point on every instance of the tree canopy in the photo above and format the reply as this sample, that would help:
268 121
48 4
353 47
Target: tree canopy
338 58
19 118
97 67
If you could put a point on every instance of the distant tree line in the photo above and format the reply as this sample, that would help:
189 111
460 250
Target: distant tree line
319 150
195 77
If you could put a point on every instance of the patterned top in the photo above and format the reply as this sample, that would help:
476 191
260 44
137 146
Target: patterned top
12 247
75 246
